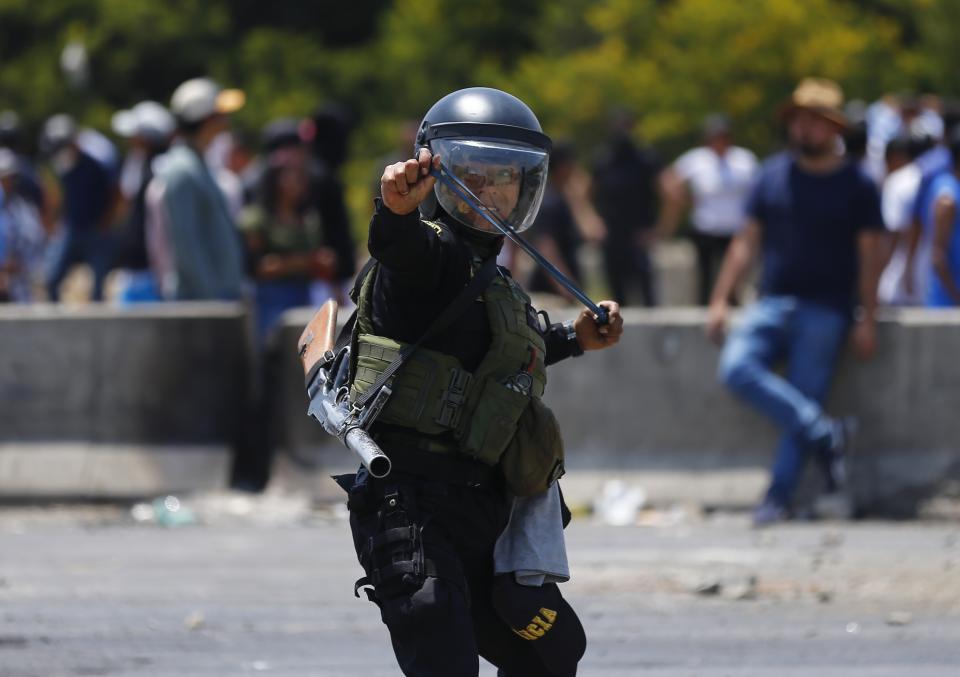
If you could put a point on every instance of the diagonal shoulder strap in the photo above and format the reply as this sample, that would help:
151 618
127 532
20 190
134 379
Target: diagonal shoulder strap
481 280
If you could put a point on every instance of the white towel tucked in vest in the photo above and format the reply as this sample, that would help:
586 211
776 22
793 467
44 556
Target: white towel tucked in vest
532 546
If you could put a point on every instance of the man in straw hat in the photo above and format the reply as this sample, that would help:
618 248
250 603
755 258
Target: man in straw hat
816 219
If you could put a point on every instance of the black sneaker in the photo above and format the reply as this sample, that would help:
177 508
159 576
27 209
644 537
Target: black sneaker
835 452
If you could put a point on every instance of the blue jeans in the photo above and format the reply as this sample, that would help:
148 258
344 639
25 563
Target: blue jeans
274 297
81 246
809 337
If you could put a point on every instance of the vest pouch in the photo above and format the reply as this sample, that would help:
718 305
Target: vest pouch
419 388
533 459
492 423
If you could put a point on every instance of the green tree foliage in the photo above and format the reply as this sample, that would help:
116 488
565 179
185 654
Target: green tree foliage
671 61
675 62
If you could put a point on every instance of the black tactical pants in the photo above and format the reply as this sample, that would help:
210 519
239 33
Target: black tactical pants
427 549
711 250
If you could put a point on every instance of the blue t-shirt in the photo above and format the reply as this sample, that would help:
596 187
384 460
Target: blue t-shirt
810 223
932 164
943 184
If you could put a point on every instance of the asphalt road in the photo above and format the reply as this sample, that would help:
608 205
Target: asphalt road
268 590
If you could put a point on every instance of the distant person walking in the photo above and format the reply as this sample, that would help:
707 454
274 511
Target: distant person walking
27 182
625 192
290 150
287 240
898 193
919 237
942 216
90 196
716 178
332 125
149 127
557 236
816 219
22 236
192 238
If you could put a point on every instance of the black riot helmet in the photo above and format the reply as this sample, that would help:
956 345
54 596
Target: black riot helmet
494 144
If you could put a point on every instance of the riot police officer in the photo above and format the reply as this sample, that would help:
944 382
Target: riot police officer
425 534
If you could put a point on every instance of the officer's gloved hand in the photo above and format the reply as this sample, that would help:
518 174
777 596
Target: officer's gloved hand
592 336
404 185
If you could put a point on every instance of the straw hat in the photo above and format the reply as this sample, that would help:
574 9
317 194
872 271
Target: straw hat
817 95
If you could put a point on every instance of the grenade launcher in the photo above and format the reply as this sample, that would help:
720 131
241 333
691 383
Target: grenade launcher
326 369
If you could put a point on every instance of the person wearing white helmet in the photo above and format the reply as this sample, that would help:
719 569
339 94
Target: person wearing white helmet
148 128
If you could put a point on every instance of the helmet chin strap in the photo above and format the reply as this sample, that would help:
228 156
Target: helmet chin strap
473 233
452 182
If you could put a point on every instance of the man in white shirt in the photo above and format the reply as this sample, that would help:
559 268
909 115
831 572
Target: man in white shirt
897 202
714 179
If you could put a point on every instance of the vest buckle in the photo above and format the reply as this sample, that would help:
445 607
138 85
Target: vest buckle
453 398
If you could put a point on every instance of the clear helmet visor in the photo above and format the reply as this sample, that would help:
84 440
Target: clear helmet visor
509 179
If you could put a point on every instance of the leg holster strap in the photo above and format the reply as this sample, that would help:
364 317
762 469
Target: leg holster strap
366 584
416 567
395 535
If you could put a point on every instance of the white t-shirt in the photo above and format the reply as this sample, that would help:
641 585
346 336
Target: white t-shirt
899 192
131 173
719 185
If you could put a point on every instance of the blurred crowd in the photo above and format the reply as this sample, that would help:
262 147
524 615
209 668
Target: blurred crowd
630 199
859 207
180 207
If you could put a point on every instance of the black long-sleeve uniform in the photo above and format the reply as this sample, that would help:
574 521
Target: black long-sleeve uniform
422 271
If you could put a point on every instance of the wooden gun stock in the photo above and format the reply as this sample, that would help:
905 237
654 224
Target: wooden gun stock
319 336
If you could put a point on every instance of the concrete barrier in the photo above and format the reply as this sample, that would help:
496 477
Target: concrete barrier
97 401
102 402
651 411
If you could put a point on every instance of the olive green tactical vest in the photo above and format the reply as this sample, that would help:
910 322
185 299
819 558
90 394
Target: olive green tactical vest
433 394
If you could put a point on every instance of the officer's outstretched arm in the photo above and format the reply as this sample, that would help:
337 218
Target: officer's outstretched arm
593 336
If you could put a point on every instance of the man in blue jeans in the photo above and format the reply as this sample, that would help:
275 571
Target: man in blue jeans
816 220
